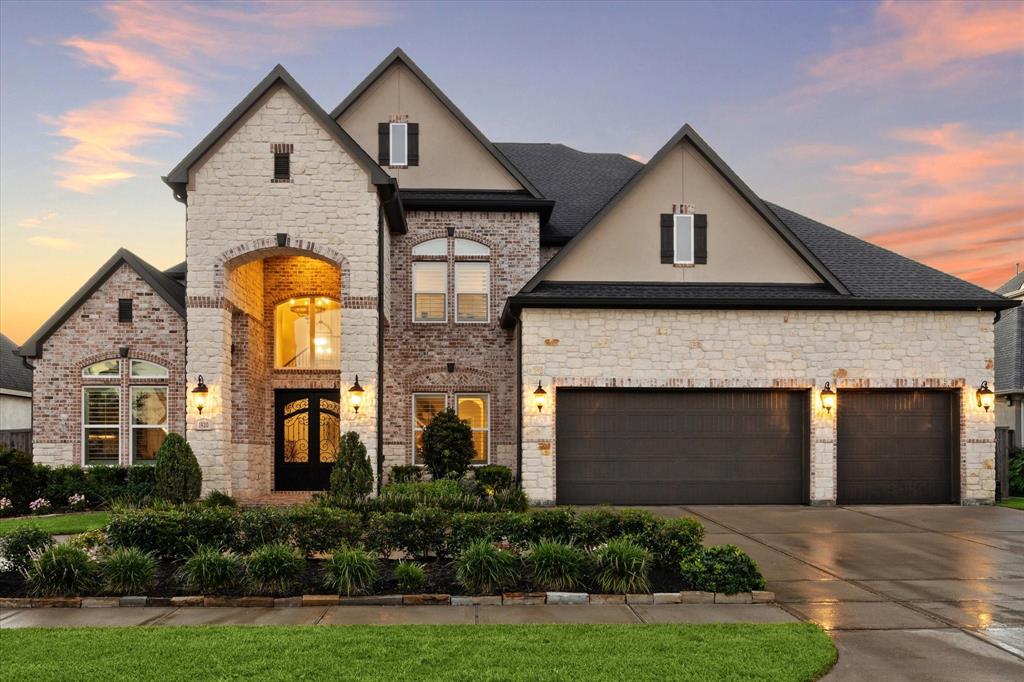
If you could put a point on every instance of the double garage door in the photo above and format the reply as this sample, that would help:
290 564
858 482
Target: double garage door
639 446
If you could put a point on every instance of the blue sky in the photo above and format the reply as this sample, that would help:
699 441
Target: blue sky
900 123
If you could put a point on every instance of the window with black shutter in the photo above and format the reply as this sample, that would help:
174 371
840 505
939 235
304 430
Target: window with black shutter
124 310
398 144
684 238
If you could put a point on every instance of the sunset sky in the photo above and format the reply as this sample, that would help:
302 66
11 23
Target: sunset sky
900 123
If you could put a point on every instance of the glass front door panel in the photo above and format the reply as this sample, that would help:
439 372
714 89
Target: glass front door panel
307 427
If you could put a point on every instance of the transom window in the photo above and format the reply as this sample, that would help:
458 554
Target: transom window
471 280
682 226
104 368
307 333
141 369
472 407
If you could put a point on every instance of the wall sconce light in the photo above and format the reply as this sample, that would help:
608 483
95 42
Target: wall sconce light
828 397
986 398
540 397
199 394
355 395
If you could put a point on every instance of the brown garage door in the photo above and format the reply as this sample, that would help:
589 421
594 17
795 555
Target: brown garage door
897 447
635 446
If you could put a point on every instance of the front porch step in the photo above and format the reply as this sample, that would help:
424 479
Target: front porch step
281 498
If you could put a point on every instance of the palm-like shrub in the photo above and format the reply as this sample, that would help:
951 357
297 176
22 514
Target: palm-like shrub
274 569
556 566
60 571
127 570
350 570
16 547
483 568
211 571
410 576
448 445
622 566
178 476
352 475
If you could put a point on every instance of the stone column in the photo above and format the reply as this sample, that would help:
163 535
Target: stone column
359 357
209 354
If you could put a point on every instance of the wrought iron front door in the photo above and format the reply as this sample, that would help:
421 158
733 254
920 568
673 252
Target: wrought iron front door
307 429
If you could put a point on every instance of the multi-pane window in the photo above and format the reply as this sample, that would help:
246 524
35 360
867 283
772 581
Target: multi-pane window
683 238
101 425
307 333
430 291
424 407
472 286
149 421
471 407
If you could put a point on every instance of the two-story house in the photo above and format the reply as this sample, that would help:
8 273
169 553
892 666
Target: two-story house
614 332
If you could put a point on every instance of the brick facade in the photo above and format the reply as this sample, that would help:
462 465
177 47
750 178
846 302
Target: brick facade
93 333
760 349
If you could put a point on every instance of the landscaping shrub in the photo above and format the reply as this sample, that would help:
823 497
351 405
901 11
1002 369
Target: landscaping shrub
178 476
314 528
16 547
511 499
622 566
220 499
556 523
410 576
61 571
127 570
405 474
554 566
469 527
639 524
92 541
387 532
350 570
674 540
723 568
444 494
483 568
209 527
447 445
139 485
274 569
212 571
1016 471
351 476
494 476
595 526
17 478
160 531
262 526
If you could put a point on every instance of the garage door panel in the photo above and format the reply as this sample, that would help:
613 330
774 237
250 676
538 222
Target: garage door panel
680 447
895 447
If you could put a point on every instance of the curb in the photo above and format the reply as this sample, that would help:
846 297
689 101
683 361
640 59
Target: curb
506 599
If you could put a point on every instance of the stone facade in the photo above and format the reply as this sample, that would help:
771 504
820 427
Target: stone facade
329 211
416 355
93 333
760 349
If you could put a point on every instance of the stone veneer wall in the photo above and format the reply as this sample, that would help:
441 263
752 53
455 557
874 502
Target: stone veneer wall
156 333
760 349
329 210
416 354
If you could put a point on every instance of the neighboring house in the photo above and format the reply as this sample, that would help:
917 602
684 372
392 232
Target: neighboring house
1009 373
679 329
15 397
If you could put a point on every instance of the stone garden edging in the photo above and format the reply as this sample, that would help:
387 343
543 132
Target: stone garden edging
506 599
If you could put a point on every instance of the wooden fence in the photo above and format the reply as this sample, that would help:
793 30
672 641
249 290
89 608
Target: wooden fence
19 439
1004 439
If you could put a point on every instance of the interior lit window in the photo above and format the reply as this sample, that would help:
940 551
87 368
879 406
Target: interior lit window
147 370
307 333
105 368
424 407
149 422
430 291
101 434
472 288
476 410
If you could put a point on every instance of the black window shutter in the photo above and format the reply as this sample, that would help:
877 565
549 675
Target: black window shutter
700 238
414 144
667 248
282 166
384 143
124 310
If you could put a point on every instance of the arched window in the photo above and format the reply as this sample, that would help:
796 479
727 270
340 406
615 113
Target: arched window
106 438
103 368
472 280
142 369
307 333
434 247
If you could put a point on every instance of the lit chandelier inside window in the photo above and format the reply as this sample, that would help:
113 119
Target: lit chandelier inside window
307 333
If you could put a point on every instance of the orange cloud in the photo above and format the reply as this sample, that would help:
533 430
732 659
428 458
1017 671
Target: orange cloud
162 52
954 201
56 243
936 43
37 220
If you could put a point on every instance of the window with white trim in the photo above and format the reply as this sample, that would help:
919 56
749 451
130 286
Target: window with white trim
424 407
472 291
682 238
475 408
430 291
101 425
143 369
399 141
102 369
149 422
431 247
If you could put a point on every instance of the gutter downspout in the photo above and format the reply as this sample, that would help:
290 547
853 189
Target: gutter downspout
519 403
380 347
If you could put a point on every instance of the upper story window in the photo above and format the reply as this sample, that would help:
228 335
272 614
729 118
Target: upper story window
104 368
307 333
398 143
399 152
282 162
471 267
430 291
682 239
142 369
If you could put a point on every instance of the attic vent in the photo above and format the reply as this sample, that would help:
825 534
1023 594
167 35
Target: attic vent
124 310
282 162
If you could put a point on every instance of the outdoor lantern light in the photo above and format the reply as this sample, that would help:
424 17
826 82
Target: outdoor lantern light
355 394
828 397
986 398
540 397
199 394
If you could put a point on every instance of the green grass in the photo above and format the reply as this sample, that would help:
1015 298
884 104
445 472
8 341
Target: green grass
792 651
1012 503
60 524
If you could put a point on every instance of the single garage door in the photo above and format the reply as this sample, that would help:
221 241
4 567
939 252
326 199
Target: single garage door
897 447
636 446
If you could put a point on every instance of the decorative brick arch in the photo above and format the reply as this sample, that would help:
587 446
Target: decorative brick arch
264 247
437 377
460 233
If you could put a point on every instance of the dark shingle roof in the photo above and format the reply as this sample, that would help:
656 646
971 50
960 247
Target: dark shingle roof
580 183
1009 337
1015 283
14 375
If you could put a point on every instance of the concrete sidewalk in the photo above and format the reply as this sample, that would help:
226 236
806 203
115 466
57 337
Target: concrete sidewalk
397 615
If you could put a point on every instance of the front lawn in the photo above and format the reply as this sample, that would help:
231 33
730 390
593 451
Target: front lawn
797 651
60 524
1012 503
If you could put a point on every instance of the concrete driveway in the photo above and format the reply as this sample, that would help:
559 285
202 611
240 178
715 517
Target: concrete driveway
907 593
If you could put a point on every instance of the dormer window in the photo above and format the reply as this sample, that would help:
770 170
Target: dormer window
682 239
399 141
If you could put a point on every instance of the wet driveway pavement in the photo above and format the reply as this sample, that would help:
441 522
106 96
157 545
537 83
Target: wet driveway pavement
907 592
